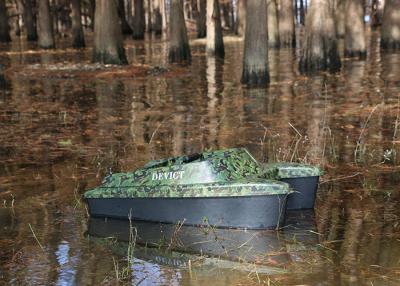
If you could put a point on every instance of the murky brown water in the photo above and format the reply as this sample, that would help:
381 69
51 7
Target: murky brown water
59 134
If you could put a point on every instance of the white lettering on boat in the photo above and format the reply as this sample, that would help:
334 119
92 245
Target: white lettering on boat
167 176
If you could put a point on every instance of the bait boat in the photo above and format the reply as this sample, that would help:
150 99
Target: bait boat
224 188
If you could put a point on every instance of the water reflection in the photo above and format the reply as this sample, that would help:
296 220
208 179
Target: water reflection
60 135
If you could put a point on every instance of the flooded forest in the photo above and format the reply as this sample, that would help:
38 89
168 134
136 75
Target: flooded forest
92 87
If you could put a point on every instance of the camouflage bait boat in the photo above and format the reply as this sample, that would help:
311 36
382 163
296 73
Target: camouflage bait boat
221 188
302 178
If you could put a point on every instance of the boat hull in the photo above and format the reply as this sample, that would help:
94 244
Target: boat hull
252 212
305 190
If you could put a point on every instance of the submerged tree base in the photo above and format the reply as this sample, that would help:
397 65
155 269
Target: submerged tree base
312 65
179 54
253 79
355 54
390 45
112 59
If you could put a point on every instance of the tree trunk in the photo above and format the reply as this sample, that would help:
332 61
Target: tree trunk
225 7
273 28
287 36
157 18
125 28
30 21
78 39
390 32
255 58
241 17
149 13
92 8
354 42
179 50
138 20
319 50
339 18
164 16
46 33
375 21
4 26
302 14
201 19
215 43
107 43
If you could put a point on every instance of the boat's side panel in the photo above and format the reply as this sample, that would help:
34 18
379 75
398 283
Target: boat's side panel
305 189
258 212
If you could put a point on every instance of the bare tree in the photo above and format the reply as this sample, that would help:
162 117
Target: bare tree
273 28
139 24
201 19
46 32
255 58
179 50
319 50
4 27
78 39
354 41
390 32
108 47
287 36
215 43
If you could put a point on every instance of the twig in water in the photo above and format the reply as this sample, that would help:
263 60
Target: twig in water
158 127
342 178
34 235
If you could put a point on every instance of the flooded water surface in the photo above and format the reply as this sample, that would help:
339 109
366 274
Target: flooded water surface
65 123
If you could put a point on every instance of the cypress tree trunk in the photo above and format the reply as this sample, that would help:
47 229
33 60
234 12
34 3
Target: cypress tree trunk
215 43
157 18
355 35
302 14
78 39
46 33
149 13
390 32
375 19
4 26
30 21
179 50
139 24
92 8
255 58
225 7
107 43
339 18
241 17
125 28
287 36
273 28
319 50
201 19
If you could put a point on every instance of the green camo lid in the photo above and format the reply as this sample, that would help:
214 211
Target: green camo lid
286 170
239 188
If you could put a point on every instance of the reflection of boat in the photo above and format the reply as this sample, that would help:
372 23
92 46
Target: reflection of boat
302 178
221 188
231 244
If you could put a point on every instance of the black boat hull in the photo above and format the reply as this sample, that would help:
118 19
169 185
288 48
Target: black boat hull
305 190
251 212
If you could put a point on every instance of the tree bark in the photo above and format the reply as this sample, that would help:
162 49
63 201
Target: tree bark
390 31
157 18
107 44
354 41
125 28
319 51
201 19
241 17
215 43
4 26
139 24
179 50
287 36
339 18
78 39
46 33
30 21
255 58
273 27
